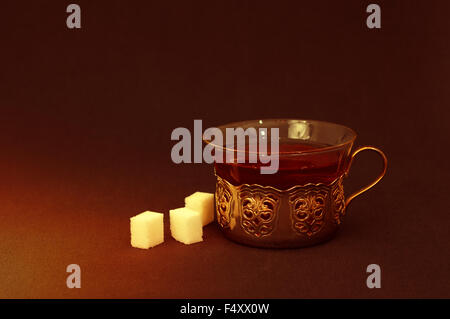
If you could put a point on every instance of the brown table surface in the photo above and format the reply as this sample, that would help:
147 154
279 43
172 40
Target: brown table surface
85 124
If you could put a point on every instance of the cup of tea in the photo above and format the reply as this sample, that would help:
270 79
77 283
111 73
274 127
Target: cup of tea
302 203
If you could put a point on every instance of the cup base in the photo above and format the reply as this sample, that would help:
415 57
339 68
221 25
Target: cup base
280 244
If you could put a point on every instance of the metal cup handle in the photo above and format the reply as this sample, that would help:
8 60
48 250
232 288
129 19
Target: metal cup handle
362 190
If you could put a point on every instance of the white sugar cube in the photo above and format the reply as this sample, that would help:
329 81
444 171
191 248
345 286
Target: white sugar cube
147 229
202 203
186 225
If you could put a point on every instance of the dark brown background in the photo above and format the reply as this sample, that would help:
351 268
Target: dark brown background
85 124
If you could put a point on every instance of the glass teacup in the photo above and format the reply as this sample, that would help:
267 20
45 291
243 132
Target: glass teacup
303 203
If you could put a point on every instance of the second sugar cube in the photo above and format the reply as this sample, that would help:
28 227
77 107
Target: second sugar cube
203 203
186 225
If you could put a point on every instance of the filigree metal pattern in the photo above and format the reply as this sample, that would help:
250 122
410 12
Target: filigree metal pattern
224 198
255 208
259 207
338 203
308 209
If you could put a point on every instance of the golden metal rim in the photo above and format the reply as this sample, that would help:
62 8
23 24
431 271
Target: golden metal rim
287 190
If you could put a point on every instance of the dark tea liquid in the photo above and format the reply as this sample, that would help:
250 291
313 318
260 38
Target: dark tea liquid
294 169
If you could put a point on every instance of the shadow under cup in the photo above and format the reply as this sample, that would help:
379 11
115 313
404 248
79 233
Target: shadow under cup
303 203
